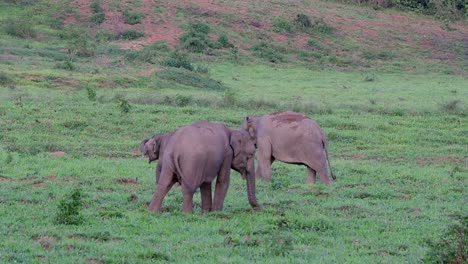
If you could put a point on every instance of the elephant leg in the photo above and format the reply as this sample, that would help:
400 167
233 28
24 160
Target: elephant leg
187 196
206 199
323 173
222 183
311 175
265 159
163 187
158 171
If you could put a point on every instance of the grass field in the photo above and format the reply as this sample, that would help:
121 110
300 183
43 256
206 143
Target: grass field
398 143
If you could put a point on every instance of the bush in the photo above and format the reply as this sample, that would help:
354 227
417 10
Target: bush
65 65
265 51
124 105
196 39
91 93
322 28
189 78
150 53
223 41
132 18
282 25
98 12
451 248
19 27
69 209
132 34
5 80
78 41
383 55
303 21
178 59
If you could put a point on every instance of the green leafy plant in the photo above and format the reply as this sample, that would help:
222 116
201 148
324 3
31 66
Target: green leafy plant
451 248
303 21
69 207
21 27
196 39
98 13
124 105
178 59
266 51
91 93
132 34
132 18
223 41
283 25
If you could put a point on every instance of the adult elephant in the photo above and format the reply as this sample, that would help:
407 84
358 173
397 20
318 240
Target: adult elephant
195 155
291 138
154 148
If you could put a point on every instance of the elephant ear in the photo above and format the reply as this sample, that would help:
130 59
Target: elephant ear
143 148
236 142
250 120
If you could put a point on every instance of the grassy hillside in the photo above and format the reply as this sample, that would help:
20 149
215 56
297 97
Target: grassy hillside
77 96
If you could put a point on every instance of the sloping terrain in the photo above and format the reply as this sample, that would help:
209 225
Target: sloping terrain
352 36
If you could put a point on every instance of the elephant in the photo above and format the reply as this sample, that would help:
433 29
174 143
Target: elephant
154 147
195 155
291 138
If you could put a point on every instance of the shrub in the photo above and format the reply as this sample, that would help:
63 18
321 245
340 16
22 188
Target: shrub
124 105
322 28
69 209
98 13
451 248
303 21
196 39
265 51
132 34
78 41
150 53
132 18
178 59
282 25
189 78
91 93
183 100
452 106
223 41
65 65
383 55
19 27
5 79
98 18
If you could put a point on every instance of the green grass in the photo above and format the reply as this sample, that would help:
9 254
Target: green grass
397 144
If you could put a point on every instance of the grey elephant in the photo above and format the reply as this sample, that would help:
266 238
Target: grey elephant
291 138
197 154
153 148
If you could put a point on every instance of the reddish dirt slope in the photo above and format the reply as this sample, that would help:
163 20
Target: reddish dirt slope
378 30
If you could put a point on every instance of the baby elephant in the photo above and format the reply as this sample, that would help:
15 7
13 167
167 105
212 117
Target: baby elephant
292 138
195 154
154 147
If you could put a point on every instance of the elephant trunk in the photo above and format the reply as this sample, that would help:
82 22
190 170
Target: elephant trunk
251 187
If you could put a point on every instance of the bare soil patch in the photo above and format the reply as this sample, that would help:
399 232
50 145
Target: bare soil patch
126 181
57 153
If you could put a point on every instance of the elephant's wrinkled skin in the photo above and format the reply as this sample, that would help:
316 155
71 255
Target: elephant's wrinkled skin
195 155
291 138
154 147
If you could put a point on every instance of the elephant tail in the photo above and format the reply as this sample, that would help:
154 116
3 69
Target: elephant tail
325 147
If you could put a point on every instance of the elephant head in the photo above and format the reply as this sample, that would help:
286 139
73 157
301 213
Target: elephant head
250 125
150 147
243 161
